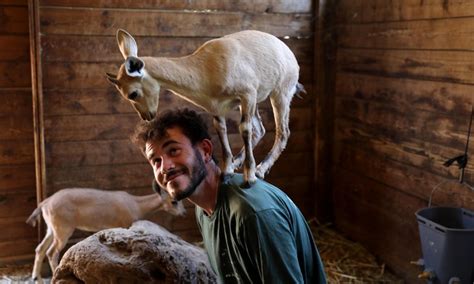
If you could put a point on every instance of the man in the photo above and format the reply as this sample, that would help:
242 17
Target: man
252 235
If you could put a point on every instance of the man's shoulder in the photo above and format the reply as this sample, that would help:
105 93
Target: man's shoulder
259 197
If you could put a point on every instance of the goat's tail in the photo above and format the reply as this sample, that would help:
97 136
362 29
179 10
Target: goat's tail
299 89
34 216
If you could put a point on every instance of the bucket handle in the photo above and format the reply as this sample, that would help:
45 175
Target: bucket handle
444 182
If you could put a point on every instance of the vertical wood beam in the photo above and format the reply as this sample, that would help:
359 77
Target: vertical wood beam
324 78
37 97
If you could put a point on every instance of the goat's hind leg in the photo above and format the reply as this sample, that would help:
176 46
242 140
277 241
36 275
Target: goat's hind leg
221 129
61 236
40 253
281 113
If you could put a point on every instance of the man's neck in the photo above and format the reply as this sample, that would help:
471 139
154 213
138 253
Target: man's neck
206 193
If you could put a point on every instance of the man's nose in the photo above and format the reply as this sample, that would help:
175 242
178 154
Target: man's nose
166 165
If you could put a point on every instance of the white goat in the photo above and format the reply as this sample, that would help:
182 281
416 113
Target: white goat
90 210
240 69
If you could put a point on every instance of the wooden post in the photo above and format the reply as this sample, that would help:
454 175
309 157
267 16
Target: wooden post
324 78
37 97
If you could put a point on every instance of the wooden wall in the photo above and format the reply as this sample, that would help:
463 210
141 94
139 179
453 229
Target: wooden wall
86 123
17 169
403 96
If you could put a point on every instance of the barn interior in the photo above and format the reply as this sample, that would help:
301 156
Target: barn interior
389 99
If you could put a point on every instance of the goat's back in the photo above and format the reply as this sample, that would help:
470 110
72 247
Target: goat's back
90 209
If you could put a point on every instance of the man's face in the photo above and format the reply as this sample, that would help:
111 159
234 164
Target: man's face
177 165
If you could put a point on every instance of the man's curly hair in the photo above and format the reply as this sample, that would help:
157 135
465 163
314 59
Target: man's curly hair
190 122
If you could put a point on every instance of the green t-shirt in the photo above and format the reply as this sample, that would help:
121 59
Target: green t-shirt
258 235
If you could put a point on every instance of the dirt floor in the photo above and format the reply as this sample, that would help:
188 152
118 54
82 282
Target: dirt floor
345 262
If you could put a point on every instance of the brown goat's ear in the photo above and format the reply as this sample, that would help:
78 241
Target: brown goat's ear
112 78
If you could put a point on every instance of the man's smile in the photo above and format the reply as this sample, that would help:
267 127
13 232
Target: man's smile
170 176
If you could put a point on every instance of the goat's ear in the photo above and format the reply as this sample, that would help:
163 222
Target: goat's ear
112 78
127 45
134 66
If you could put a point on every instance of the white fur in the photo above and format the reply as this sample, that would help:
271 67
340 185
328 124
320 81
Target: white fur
237 70
89 210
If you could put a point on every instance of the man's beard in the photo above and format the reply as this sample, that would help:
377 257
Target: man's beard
199 172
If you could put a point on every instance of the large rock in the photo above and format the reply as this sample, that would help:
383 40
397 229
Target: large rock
144 253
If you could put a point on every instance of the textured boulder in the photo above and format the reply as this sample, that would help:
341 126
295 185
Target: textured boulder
144 253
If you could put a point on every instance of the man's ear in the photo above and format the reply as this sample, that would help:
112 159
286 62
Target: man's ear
207 148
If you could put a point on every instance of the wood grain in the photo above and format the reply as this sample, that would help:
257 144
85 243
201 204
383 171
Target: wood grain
258 6
80 21
367 11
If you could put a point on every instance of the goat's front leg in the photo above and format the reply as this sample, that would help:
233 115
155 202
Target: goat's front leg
258 131
221 129
40 253
247 109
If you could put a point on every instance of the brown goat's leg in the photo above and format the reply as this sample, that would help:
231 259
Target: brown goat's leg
40 253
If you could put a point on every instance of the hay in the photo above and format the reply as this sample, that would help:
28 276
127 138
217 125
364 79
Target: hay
346 261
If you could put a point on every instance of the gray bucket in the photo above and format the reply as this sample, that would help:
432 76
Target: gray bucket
447 243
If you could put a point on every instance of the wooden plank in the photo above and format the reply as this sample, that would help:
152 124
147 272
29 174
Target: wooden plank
89 127
15 102
14 20
14 48
112 152
406 94
299 141
17 127
445 66
85 101
118 177
71 48
15 74
364 213
72 75
14 3
285 165
366 11
259 6
124 176
413 181
90 153
392 122
121 126
169 23
17 249
15 228
448 34
17 203
406 150
17 177
109 101
16 152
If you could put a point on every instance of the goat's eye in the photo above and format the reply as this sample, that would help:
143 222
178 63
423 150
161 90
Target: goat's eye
133 95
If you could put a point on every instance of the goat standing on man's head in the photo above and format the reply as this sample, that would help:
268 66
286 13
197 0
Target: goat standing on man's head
237 70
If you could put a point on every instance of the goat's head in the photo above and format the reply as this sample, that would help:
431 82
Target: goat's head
133 82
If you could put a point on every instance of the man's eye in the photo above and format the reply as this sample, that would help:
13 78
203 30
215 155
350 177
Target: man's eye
174 152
